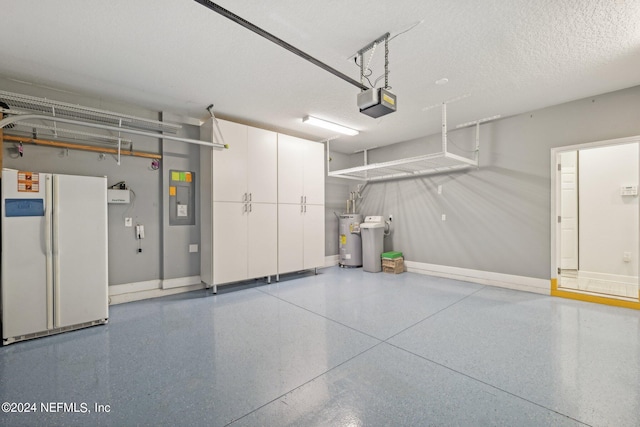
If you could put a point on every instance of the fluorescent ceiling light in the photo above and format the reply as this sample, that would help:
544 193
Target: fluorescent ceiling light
328 125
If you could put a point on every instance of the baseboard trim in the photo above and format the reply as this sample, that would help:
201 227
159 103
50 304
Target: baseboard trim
180 282
154 293
588 297
331 260
520 283
127 288
137 291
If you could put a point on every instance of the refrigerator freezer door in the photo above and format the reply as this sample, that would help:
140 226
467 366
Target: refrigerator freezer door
24 273
80 249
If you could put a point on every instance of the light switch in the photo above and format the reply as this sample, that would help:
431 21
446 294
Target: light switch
193 248
128 222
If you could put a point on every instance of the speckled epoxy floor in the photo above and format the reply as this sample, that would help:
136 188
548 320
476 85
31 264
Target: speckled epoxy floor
343 348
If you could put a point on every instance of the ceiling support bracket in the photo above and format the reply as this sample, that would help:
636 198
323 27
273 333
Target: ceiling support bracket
373 45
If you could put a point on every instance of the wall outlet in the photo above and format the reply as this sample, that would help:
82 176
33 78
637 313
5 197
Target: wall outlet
193 248
390 217
128 222
626 256
440 190
444 217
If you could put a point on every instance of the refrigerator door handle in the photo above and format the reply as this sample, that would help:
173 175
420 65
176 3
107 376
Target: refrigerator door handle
56 251
48 250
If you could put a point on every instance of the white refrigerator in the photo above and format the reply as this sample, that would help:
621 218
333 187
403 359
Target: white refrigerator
54 254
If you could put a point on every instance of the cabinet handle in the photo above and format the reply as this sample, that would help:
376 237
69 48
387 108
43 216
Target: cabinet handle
244 208
301 199
250 196
250 207
301 208
305 199
244 197
305 208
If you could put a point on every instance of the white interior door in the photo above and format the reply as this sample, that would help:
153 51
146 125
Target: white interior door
314 236
80 249
229 242
262 163
262 248
569 211
290 238
230 165
24 279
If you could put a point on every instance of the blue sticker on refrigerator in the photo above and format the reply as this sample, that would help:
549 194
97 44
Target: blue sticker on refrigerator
23 207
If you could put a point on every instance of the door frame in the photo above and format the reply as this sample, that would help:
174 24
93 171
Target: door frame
555 226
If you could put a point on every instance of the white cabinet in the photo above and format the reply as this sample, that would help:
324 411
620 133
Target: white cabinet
300 171
290 238
247 170
313 236
230 165
262 241
313 161
245 241
290 169
240 237
300 237
262 205
300 204
262 166
230 242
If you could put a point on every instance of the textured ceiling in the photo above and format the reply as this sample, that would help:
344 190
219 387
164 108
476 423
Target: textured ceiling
511 56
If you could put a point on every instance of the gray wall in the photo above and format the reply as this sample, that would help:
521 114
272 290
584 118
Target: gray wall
336 194
164 254
177 261
497 217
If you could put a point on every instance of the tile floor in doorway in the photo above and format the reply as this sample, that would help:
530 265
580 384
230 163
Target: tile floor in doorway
343 348
575 280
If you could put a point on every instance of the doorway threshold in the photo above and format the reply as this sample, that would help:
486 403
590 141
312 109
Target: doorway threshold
617 301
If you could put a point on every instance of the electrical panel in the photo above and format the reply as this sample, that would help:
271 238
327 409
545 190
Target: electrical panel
182 198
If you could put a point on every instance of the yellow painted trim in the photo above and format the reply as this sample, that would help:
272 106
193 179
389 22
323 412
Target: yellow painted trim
592 298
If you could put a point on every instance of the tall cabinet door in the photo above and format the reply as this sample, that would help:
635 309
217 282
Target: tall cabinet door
313 236
230 165
290 169
290 238
313 163
79 249
262 247
230 242
262 166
